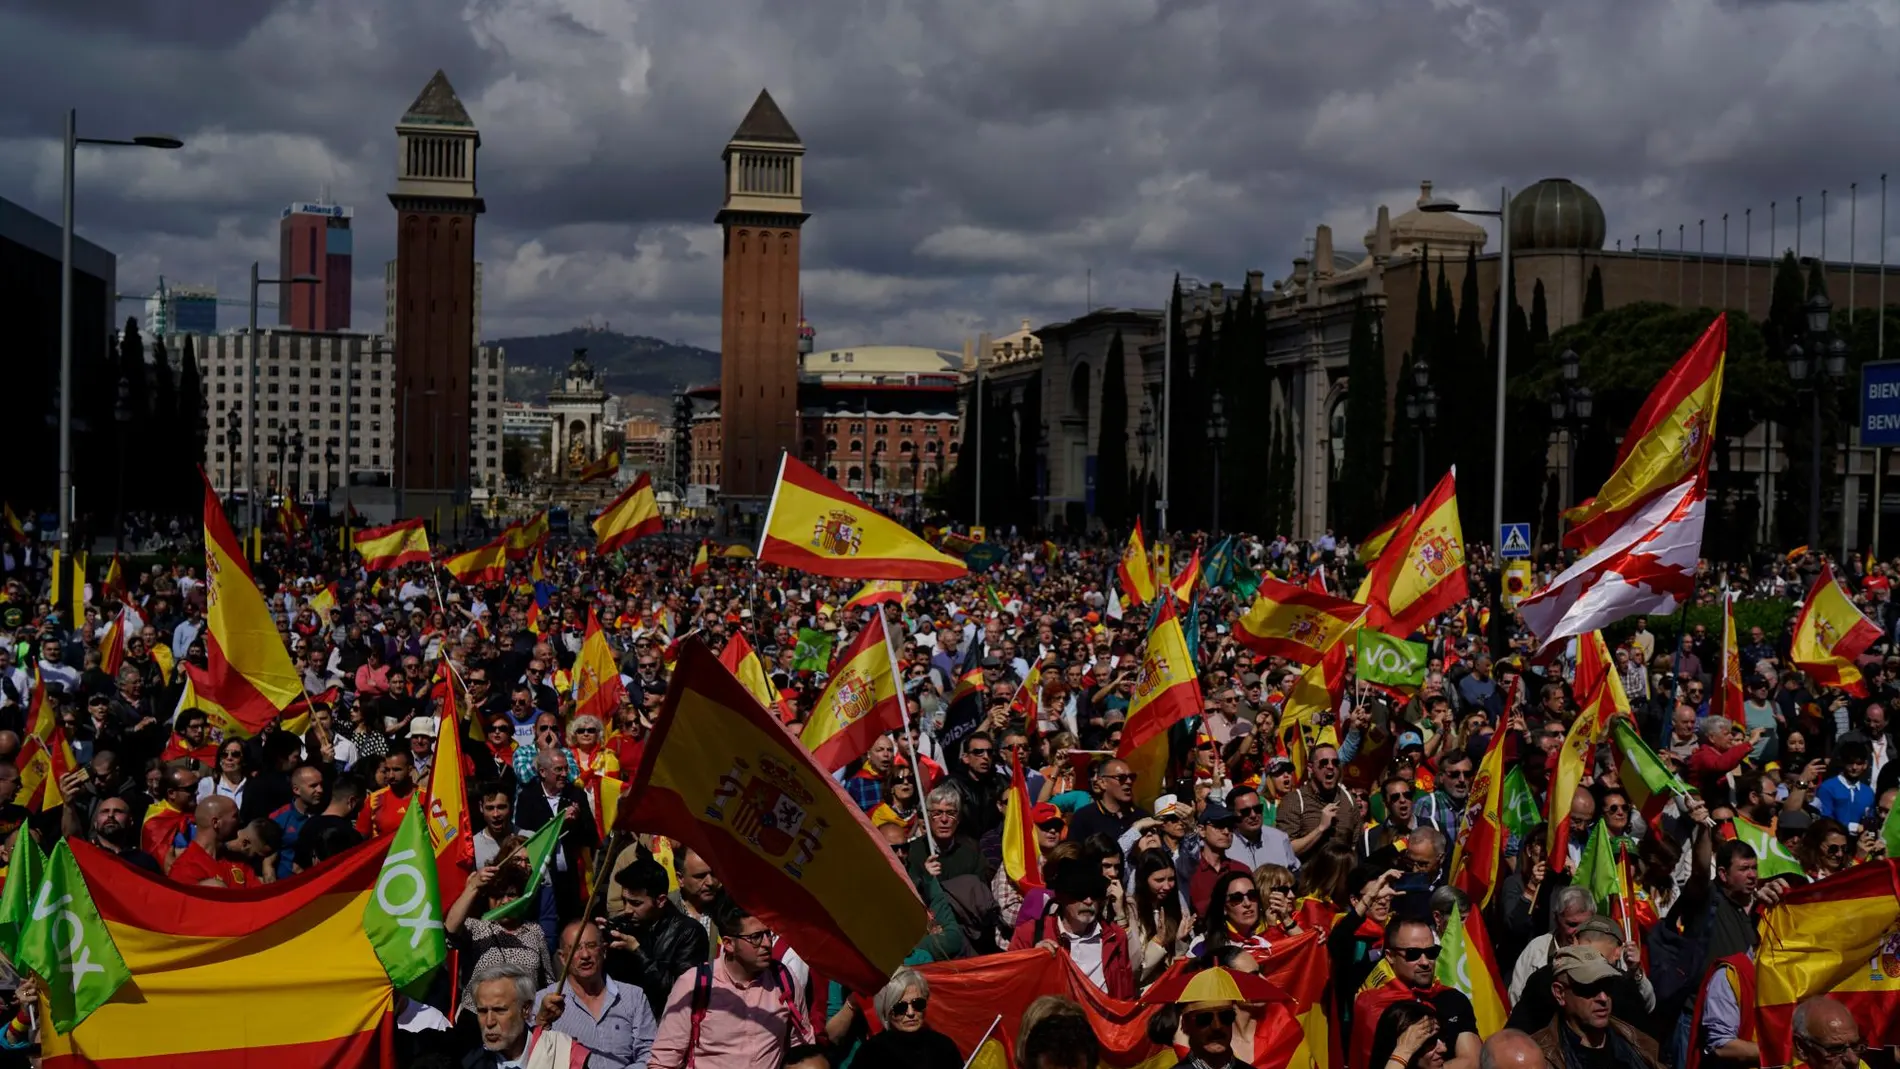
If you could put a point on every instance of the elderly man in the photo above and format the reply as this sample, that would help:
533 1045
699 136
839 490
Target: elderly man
549 793
1569 909
503 999
956 853
1826 1035
1721 752
1113 811
612 1020
1584 1031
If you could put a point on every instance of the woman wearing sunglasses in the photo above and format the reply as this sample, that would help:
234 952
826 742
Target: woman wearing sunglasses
1235 916
907 1041
1825 849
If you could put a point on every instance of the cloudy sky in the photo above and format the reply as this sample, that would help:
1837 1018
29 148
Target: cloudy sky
970 162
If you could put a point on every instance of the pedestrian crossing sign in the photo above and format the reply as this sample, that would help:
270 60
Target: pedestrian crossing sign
1515 541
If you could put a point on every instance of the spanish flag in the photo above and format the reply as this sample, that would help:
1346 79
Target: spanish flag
1834 938
743 662
295 953
1667 442
449 828
1294 622
525 536
1829 634
1136 569
1167 691
398 544
597 685
1727 699
1022 856
815 526
1190 575
1468 964
1600 699
1317 692
721 776
10 522
248 673
876 592
483 564
634 514
861 701
1477 859
322 601
113 585
606 467
702 563
1374 544
1422 571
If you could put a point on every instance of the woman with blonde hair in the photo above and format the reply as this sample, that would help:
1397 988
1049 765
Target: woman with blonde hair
586 739
1275 884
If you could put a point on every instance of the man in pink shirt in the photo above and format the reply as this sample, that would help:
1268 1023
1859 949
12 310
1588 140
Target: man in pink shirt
737 1011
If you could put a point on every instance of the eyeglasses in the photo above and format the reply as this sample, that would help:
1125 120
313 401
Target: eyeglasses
1235 898
984 752
522 701
1120 777
759 939
1395 799
1415 953
907 1007
1249 811
1016 747
1460 774
498 729
1592 990
1834 849
1616 808
1206 1018
1326 762
586 731
1834 1051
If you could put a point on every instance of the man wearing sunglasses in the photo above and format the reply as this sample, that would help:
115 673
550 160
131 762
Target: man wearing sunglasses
1255 844
1321 808
1584 1031
1209 1027
1411 948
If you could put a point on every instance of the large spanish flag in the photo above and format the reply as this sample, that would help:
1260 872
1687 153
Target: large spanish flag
1829 634
816 526
635 513
523 536
1835 938
1136 569
248 672
1667 442
276 976
1422 571
721 776
1167 691
393 546
597 685
1291 621
861 701
1727 699
483 564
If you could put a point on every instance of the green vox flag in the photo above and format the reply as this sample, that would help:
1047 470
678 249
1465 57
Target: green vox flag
404 917
540 852
1890 832
1394 662
1521 811
68 946
24 874
1597 870
814 650
1773 859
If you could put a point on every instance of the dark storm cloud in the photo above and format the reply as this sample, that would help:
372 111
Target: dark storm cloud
970 163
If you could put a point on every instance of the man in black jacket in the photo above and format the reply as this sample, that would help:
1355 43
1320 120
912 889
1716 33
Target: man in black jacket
654 944
540 799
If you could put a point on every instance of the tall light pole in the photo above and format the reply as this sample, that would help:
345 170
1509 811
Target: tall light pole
1422 409
1570 408
73 141
1815 373
1506 296
1216 441
250 429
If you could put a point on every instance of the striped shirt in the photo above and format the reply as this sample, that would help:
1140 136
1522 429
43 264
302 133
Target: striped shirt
620 1038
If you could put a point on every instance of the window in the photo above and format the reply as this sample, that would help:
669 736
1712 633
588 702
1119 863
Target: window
857 428
904 447
296 371
272 388
271 406
883 428
857 446
904 428
930 430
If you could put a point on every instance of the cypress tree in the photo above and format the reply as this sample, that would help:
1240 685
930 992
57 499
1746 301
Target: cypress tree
1422 320
192 413
171 460
1540 319
1362 470
1593 292
1030 487
1444 354
123 439
1111 461
1401 479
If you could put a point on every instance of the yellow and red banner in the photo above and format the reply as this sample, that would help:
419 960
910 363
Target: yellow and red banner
1167 691
860 702
1727 699
1667 442
634 514
1317 692
1829 634
450 831
749 669
1422 571
1022 855
248 672
1477 860
1291 621
876 592
525 536
294 953
393 546
1371 546
290 518
702 562
1136 569
721 776
113 585
606 467
597 686
10 523
1833 937
1600 698
816 526
1190 576
323 601
484 564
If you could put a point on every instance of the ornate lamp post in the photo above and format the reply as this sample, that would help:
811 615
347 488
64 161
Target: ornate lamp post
1570 408
1815 371
1422 409
1217 440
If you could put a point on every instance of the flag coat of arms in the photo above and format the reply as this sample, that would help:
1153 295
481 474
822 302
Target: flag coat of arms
1421 572
816 526
1167 691
861 701
720 775
1291 621
1829 634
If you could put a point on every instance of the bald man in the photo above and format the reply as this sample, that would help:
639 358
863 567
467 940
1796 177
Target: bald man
204 860
1826 1036
1509 1048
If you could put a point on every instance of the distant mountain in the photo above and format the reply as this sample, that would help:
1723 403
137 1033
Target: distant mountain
627 364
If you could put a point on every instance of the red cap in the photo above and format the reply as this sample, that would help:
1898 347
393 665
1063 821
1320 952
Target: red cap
1044 813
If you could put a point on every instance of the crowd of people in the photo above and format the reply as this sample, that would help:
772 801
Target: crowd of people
655 965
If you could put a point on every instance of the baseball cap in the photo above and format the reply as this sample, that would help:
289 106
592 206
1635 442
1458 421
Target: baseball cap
1169 803
1581 965
1603 926
1217 813
1409 740
1277 765
1043 813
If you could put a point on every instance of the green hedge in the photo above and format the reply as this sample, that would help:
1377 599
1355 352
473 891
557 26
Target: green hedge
1772 615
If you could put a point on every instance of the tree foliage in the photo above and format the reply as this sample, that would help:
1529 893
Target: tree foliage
1593 292
1362 471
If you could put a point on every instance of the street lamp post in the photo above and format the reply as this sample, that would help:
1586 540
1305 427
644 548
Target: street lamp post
250 430
233 437
1505 295
1217 441
1570 408
122 418
296 465
917 484
1422 409
73 141
1815 373
1145 436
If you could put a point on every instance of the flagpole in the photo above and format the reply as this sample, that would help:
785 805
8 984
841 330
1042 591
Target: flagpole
771 506
587 909
903 711
984 1038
